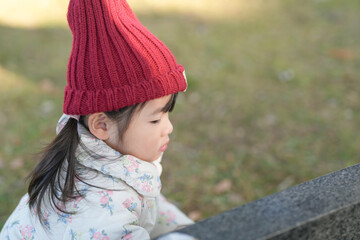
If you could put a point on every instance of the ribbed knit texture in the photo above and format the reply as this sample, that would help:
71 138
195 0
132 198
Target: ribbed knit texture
115 61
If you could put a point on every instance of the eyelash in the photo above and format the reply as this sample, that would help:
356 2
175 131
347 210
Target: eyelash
155 121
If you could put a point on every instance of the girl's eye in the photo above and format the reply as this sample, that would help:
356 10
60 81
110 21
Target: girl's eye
155 121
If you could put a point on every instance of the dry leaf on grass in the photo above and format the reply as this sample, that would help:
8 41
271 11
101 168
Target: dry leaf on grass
342 54
195 215
223 186
47 86
17 163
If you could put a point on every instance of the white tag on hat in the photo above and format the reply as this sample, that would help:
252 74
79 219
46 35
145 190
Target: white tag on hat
185 80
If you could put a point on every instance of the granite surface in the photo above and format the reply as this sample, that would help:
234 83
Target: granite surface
327 207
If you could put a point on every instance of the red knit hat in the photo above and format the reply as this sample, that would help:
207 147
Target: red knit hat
115 61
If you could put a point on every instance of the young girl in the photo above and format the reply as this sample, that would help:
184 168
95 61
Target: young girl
100 177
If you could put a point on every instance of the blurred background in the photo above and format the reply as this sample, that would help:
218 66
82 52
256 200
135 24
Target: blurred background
273 97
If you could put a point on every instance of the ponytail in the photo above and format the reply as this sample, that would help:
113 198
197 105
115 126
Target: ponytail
47 179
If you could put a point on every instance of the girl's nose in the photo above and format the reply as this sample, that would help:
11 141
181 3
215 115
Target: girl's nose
169 127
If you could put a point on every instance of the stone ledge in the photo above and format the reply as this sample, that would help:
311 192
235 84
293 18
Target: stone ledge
327 207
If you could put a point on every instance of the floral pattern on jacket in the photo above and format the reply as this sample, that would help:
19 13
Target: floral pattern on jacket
121 200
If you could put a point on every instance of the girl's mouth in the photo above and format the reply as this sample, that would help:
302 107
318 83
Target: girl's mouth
164 147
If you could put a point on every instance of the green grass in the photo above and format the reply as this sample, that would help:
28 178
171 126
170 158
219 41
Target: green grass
273 99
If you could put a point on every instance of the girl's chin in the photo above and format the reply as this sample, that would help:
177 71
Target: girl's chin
148 159
154 158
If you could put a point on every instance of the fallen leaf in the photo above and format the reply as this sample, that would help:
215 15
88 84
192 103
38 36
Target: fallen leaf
17 163
223 186
342 54
47 86
195 215
286 183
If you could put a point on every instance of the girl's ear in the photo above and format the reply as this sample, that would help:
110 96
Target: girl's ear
99 125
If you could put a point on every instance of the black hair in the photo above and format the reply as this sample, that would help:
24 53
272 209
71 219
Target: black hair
51 179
